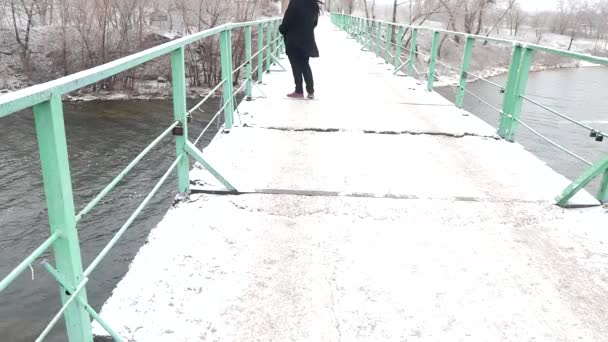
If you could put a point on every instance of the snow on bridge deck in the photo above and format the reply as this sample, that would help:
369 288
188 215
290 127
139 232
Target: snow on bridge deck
382 213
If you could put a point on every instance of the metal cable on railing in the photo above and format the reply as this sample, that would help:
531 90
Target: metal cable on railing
446 65
485 80
211 93
124 172
218 113
552 142
484 101
131 218
422 54
591 129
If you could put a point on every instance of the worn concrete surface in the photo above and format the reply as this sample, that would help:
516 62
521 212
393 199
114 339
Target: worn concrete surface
401 219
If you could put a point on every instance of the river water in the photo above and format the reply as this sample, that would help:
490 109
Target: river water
580 93
104 136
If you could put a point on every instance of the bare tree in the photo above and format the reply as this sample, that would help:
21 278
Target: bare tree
501 17
23 11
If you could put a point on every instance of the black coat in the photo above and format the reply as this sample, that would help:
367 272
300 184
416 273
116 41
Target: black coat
298 29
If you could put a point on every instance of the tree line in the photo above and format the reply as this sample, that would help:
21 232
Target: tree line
573 18
59 37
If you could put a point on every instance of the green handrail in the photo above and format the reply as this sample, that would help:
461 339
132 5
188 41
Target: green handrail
48 113
514 91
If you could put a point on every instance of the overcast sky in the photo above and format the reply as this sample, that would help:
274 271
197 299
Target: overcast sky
538 5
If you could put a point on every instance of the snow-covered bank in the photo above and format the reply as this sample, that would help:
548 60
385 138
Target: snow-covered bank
453 79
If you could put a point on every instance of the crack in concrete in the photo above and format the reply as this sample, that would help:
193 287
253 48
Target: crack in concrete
338 130
443 134
333 310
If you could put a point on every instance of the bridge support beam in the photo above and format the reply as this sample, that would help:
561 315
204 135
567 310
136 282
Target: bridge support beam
432 62
62 217
519 70
226 59
466 61
178 79
413 47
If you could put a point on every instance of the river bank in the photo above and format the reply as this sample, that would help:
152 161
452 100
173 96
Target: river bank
453 78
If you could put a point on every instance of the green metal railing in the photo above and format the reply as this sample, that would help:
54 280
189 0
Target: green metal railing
46 100
375 36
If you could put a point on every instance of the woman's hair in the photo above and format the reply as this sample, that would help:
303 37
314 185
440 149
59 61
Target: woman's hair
314 5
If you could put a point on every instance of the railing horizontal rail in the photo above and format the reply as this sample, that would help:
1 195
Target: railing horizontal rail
587 127
28 97
53 272
56 318
550 141
483 79
131 218
124 172
480 99
540 48
27 262
209 94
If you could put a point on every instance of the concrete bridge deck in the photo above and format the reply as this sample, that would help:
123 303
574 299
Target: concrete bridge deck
377 212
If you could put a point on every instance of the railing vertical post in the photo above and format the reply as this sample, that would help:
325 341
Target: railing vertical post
268 46
249 67
413 47
260 52
519 70
399 46
434 53
226 60
603 194
178 80
378 38
466 61
275 36
54 162
387 55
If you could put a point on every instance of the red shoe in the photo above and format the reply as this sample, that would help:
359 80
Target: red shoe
295 95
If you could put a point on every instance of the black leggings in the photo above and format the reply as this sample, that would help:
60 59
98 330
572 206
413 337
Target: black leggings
301 68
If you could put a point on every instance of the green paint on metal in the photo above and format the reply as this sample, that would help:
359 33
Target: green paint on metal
58 191
178 77
260 64
378 38
387 55
508 102
277 62
516 88
413 47
53 272
68 303
249 67
132 218
399 40
589 175
466 61
268 42
124 172
432 63
226 60
27 262
603 193
198 156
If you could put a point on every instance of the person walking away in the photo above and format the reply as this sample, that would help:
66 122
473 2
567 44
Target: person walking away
298 30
